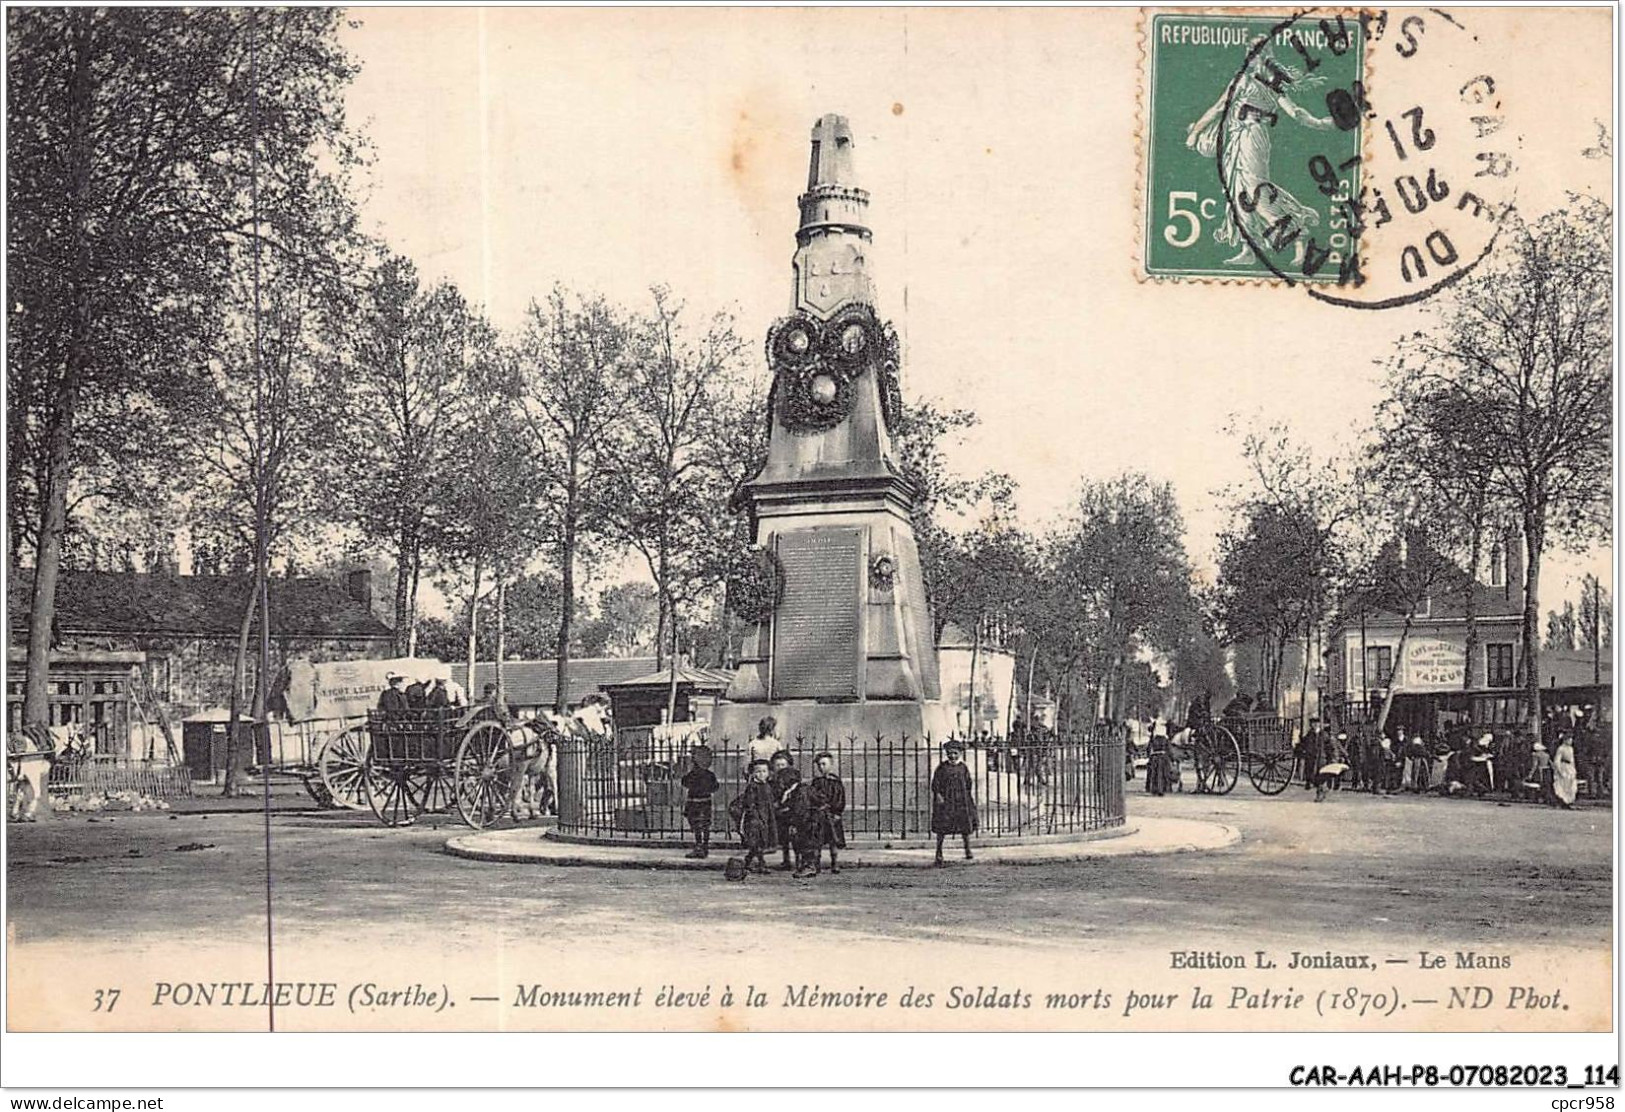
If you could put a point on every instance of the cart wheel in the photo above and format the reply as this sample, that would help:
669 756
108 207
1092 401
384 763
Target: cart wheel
1271 773
396 792
484 775
1218 762
440 788
343 766
318 791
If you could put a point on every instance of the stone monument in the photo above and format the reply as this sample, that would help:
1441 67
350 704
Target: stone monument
842 639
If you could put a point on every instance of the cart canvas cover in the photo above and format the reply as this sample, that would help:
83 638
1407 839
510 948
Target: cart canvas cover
349 688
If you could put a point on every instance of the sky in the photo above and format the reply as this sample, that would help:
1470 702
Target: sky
612 149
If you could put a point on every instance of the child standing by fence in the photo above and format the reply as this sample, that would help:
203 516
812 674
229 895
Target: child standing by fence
699 784
953 799
826 799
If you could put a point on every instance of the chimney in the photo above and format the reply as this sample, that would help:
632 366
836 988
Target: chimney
358 585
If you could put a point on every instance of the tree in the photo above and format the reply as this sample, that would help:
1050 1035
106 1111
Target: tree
571 361
1561 629
671 500
1527 342
411 400
133 150
624 624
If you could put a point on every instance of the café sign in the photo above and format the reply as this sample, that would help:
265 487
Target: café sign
1434 664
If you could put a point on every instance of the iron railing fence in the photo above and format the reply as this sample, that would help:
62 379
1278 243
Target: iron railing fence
94 773
629 788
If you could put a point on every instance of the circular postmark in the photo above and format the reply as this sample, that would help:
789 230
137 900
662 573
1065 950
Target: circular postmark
1406 153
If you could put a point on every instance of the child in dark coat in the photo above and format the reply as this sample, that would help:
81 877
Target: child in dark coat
826 803
753 812
699 784
953 799
786 789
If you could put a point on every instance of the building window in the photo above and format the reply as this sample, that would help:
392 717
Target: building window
1498 568
1498 671
1379 665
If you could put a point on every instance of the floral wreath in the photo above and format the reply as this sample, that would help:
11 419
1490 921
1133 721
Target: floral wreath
882 571
756 585
815 365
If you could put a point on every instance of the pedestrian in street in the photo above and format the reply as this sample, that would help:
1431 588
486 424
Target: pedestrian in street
953 799
1540 773
786 782
1159 768
1420 764
1331 761
826 799
699 785
752 812
1565 780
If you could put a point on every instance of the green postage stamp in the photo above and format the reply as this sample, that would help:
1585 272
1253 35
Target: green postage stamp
1252 146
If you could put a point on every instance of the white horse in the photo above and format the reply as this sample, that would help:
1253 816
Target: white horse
536 743
30 753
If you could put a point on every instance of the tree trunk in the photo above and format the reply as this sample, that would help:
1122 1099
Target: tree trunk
975 652
403 591
567 581
262 685
1303 699
1469 603
1393 685
412 605
1534 533
239 676
502 637
1032 666
65 401
671 686
473 629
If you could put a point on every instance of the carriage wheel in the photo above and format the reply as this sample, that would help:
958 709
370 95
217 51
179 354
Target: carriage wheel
440 788
1271 773
318 792
343 766
396 792
1218 762
484 775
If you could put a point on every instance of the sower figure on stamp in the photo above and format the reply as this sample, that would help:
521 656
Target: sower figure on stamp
826 803
953 799
699 784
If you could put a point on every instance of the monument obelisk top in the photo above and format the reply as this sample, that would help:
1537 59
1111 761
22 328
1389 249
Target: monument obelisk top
831 261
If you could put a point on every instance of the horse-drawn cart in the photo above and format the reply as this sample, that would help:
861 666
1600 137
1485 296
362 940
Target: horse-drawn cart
1262 745
431 761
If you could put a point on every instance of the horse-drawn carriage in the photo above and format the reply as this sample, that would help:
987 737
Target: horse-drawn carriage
403 764
1261 744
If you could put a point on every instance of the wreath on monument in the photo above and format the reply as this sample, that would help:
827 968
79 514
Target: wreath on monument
891 393
756 585
882 571
815 366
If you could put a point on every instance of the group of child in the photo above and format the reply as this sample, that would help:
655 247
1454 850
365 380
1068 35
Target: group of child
777 809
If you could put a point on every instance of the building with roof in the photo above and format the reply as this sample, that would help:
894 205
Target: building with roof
642 700
119 636
532 685
1433 680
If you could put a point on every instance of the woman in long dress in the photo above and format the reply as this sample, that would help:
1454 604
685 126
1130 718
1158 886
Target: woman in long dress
1254 110
1565 779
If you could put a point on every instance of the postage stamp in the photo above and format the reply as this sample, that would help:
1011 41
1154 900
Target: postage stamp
1252 144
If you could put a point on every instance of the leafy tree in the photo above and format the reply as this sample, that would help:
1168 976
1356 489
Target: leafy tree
671 500
411 402
624 623
1527 341
571 360
1561 629
137 136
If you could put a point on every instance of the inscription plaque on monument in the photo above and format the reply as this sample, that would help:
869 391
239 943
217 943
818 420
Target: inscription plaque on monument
815 636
